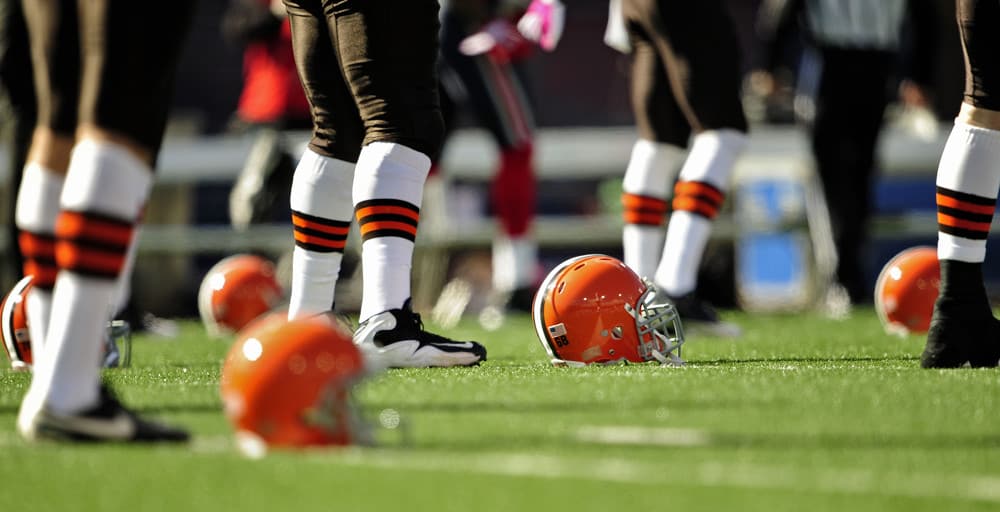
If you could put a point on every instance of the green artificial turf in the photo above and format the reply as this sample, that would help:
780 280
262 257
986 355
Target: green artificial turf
802 413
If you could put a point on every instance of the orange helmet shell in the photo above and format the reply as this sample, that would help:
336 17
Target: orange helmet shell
591 309
14 328
288 383
906 290
235 291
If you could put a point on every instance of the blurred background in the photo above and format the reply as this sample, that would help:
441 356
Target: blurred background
773 255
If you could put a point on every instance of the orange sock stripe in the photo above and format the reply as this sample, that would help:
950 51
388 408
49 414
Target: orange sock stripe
950 202
94 261
947 220
43 273
305 239
331 227
709 192
644 210
370 227
695 205
34 245
368 211
645 219
93 228
387 218
637 202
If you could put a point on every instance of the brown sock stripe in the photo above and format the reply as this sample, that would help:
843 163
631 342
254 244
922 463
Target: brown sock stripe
964 215
39 252
318 234
387 217
644 210
698 198
92 244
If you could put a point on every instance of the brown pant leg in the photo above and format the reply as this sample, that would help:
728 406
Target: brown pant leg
979 26
388 52
658 116
130 51
337 128
55 55
698 46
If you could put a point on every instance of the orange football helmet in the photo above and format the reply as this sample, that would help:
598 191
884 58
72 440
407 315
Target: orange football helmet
906 290
594 309
288 383
235 291
17 337
14 331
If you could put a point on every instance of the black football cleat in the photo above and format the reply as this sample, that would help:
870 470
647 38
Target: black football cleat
108 421
961 333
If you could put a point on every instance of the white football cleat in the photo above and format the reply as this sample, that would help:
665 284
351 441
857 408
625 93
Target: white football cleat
396 339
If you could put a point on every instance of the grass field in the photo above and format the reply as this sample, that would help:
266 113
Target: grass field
803 413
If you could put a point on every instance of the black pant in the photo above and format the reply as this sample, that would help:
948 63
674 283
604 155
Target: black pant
850 102
493 90
110 64
369 70
979 26
685 68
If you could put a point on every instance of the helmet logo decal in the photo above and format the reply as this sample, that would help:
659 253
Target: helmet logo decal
558 333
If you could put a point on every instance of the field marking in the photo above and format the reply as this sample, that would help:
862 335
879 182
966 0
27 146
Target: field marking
647 436
577 466
857 481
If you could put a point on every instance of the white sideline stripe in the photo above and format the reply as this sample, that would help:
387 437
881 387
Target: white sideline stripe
708 474
616 469
632 435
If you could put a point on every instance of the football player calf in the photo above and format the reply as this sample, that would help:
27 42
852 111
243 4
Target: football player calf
288 384
906 290
235 291
594 309
16 336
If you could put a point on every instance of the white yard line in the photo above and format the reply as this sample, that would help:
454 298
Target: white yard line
647 436
665 473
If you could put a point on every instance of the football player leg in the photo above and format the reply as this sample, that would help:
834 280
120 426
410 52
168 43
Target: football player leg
321 185
656 158
108 179
492 87
394 82
56 62
963 329
701 59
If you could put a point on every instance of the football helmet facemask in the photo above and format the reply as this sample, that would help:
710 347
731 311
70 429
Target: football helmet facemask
906 290
236 290
288 384
594 309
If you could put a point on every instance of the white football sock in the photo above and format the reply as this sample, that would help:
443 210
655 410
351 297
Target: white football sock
649 174
322 210
388 187
35 215
710 162
104 180
970 164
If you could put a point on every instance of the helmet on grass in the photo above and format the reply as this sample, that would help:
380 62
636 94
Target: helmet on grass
906 290
288 384
594 309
